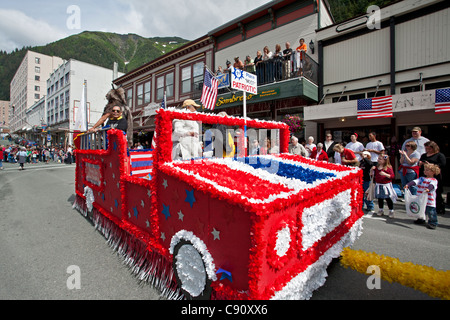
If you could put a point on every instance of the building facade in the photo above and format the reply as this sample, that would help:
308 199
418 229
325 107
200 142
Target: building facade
64 89
4 114
407 57
285 86
28 86
179 74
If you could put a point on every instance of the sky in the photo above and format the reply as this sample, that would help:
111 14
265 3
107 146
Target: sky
39 22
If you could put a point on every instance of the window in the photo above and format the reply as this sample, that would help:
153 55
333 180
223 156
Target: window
198 76
144 93
169 85
37 96
186 80
37 60
140 94
160 88
130 97
380 93
37 88
192 77
37 69
357 96
164 83
67 77
37 78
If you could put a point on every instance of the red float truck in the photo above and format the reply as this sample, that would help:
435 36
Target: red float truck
248 227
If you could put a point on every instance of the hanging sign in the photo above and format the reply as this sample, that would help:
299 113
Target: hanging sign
244 81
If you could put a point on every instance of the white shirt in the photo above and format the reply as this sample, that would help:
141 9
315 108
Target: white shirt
356 147
377 145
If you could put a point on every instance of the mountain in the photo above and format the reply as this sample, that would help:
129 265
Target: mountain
346 9
100 48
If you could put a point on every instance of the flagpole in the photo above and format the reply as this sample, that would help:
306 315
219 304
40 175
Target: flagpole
245 122
85 104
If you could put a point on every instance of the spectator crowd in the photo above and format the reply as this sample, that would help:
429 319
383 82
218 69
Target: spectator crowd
35 154
420 168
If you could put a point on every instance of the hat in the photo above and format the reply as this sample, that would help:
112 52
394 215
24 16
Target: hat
190 102
366 153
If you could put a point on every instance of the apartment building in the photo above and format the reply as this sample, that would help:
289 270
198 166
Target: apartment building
4 113
63 95
29 85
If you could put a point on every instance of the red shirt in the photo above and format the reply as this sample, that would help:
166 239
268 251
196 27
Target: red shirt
322 156
378 178
348 154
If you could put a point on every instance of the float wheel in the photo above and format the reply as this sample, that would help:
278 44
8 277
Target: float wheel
190 272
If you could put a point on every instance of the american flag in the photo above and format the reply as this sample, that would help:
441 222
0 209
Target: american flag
209 94
163 102
380 107
442 102
141 162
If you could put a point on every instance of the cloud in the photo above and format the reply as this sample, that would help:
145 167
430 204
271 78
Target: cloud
20 30
188 19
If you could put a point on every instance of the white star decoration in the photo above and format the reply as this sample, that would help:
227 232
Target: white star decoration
147 223
165 184
142 203
163 236
180 215
216 234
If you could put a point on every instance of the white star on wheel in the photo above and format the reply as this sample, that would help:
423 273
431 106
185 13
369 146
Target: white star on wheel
180 215
165 184
216 234
163 236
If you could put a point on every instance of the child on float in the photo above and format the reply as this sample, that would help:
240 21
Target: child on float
383 177
428 184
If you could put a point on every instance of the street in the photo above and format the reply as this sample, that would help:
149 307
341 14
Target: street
43 239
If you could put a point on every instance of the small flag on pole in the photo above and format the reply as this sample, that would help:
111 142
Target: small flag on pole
380 107
163 102
442 101
209 93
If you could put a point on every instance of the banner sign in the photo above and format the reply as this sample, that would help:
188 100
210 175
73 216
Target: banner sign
244 81
224 80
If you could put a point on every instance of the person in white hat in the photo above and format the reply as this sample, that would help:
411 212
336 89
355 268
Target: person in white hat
185 136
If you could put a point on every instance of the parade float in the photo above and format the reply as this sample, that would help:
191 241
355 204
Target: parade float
248 227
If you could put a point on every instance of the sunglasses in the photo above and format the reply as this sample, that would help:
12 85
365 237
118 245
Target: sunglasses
116 111
408 145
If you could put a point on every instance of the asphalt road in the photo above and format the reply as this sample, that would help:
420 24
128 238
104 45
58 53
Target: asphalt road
41 236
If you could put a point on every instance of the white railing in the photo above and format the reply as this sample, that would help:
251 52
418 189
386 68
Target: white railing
94 140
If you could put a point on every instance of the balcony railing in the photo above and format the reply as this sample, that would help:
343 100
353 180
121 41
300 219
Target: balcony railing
294 66
94 140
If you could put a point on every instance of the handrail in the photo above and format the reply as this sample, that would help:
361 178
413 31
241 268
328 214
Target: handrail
94 140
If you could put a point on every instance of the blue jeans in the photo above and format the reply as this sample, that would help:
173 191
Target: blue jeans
369 204
408 178
432 215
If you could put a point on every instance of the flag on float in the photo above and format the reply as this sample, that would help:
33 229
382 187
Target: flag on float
442 101
209 93
81 120
141 162
380 107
